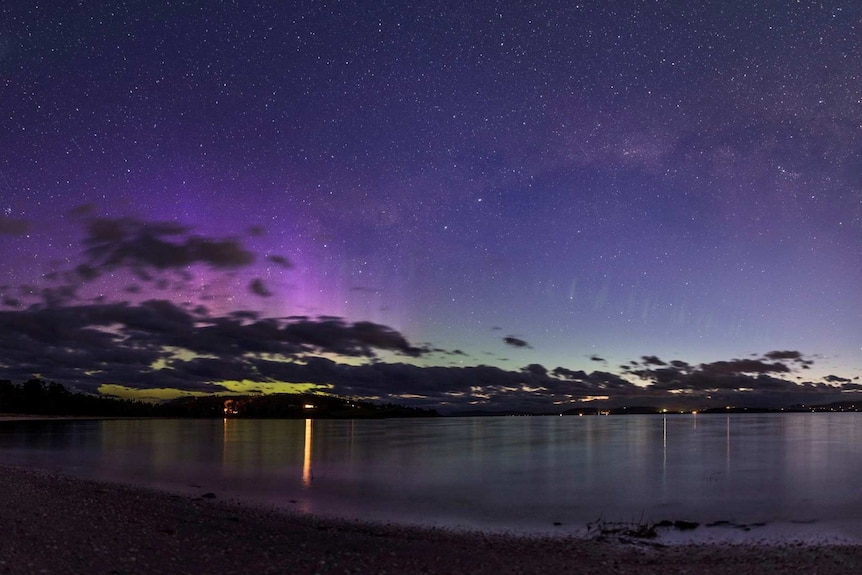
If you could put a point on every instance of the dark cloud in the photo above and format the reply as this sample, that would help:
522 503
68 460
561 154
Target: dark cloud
652 360
60 295
258 288
596 358
160 255
837 379
536 369
82 211
211 369
748 382
145 247
569 374
86 345
14 227
86 273
515 342
792 355
598 382
450 388
280 261
359 339
244 315
740 366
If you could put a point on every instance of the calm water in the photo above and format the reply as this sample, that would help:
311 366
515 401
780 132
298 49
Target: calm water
799 473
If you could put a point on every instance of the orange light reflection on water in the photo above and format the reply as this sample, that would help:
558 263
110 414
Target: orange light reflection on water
306 458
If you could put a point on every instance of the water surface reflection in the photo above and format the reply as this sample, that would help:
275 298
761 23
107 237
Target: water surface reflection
486 472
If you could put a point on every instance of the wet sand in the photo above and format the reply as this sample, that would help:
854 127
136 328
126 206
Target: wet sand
56 524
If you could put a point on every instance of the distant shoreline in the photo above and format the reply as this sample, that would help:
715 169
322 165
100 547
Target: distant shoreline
480 415
40 417
31 417
65 525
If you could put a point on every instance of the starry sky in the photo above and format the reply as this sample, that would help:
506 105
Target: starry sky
447 204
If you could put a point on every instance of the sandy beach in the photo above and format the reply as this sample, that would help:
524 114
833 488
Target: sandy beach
57 524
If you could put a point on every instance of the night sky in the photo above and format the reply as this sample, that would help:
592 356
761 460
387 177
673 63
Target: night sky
442 204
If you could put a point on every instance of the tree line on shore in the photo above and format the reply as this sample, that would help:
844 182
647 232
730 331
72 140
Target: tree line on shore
39 397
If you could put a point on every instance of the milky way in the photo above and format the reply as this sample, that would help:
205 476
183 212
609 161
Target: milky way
526 192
